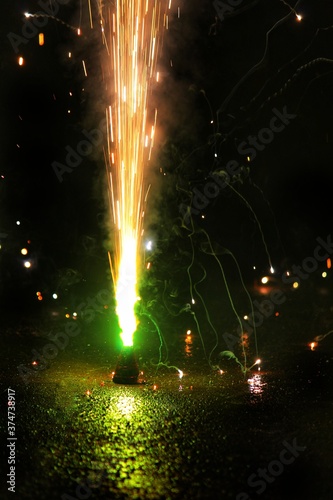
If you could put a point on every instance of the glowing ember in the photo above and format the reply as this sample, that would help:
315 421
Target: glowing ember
313 345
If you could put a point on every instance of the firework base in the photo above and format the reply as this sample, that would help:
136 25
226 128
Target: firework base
127 369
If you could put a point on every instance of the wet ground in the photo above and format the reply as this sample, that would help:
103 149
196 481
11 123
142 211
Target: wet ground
211 434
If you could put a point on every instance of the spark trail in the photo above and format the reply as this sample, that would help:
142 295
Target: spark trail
134 34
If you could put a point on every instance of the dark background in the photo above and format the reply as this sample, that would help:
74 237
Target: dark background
233 72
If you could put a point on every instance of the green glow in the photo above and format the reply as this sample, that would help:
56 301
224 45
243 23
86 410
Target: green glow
126 295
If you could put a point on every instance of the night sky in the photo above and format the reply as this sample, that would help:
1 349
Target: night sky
234 70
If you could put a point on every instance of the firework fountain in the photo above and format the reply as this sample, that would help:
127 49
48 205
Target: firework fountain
135 27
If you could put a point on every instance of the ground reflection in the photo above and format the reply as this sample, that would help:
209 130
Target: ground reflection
257 385
188 344
127 405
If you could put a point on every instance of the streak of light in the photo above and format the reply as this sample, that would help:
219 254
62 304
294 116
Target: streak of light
84 67
147 193
90 16
256 363
321 337
49 16
298 16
